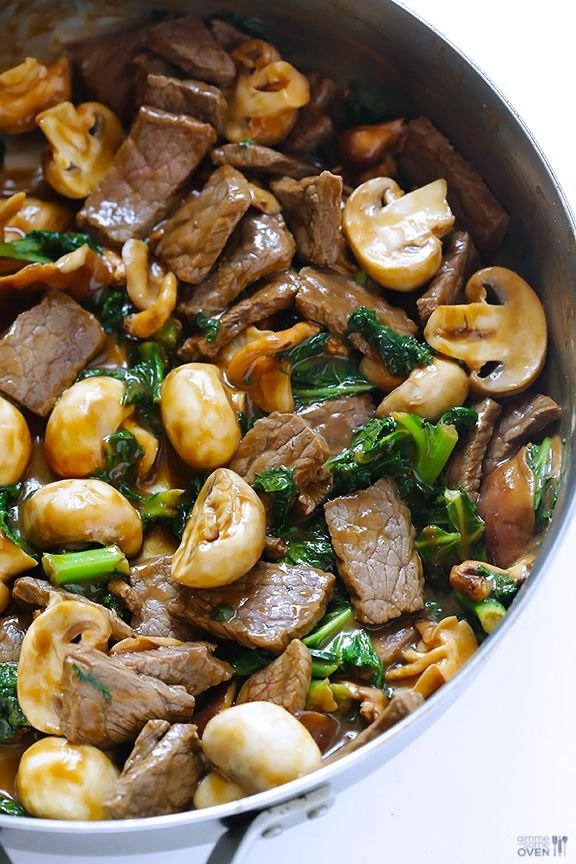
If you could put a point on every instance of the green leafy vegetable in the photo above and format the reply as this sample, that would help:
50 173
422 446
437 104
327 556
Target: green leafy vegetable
309 545
362 106
404 446
9 807
361 278
246 661
433 611
88 565
246 142
278 483
169 335
324 663
400 353
490 612
162 506
503 586
463 419
121 454
93 681
111 306
224 612
335 620
355 651
209 326
456 535
12 719
42 247
544 463
8 497
110 601
142 381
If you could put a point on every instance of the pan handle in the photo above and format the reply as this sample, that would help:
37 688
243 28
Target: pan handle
235 844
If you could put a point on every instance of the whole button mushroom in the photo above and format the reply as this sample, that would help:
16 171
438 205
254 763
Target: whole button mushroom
15 443
395 237
72 512
58 780
428 391
511 334
198 416
259 745
224 536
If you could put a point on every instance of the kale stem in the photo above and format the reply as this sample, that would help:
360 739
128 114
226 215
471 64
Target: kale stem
84 566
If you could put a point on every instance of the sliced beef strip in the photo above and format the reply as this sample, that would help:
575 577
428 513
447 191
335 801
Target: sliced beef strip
104 703
285 681
392 640
329 298
161 774
275 548
373 538
337 419
148 172
427 155
103 66
400 706
192 665
148 594
45 349
521 420
196 234
267 608
262 160
12 631
260 246
226 34
188 43
144 64
464 467
313 210
447 286
36 592
276 294
203 101
286 439
313 125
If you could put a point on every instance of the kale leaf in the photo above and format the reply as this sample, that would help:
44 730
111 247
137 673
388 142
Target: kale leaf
544 463
400 353
309 545
43 247
8 497
463 419
362 106
9 807
12 719
278 483
121 454
456 534
111 306
209 326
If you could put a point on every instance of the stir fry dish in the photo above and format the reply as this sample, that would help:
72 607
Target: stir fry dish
273 456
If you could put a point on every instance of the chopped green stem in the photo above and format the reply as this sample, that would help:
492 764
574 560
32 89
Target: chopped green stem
161 505
490 612
332 624
90 564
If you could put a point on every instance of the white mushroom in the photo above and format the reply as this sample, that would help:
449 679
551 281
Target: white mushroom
58 780
214 789
428 391
198 416
44 649
395 237
74 512
259 745
224 535
15 443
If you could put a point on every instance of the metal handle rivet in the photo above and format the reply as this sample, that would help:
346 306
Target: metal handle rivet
273 831
317 812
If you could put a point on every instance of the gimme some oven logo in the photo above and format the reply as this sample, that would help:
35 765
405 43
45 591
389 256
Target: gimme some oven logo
542 845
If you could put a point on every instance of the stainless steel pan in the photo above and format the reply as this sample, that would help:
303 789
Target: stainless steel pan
380 42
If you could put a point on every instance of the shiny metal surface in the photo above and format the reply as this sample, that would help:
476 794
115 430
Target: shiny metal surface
380 41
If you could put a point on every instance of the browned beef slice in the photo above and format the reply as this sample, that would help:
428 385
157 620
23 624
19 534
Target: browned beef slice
36 592
427 155
400 706
226 34
12 631
313 126
337 419
45 348
191 664
329 299
202 101
149 170
147 595
277 293
446 288
188 43
465 464
196 234
263 160
267 608
103 66
144 64
391 640
260 246
285 439
275 548
105 703
520 421
313 209
161 774
373 538
285 681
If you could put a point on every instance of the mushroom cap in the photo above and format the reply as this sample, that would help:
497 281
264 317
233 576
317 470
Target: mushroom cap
512 334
